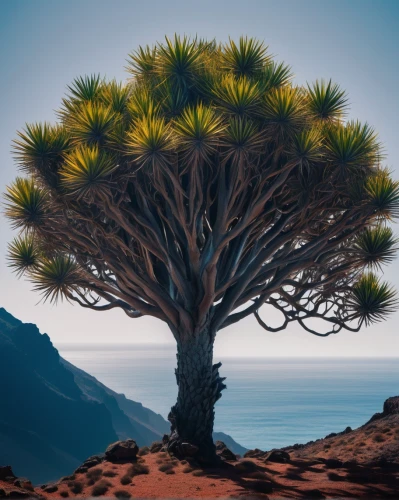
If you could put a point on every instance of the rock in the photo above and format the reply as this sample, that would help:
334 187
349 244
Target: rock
6 471
156 447
391 406
278 456
333 463
23 482
19 494
347 430
93 461
187 449
81 470
122 450
331 435
298 446
224 452
254 453
51 488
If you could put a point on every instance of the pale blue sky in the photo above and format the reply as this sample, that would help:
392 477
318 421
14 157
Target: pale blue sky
45 44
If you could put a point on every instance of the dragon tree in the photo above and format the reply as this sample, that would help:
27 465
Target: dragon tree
207 187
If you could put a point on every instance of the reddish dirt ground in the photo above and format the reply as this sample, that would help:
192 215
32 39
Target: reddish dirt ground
363 463
255 478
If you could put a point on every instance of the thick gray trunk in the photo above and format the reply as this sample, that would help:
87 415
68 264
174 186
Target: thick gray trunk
200 386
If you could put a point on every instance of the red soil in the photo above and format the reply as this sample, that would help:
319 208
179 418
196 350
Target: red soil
298 478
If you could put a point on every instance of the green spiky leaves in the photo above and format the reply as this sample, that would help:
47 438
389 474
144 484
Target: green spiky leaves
150 142
247 58
198 130
327 101
26 203
352 146
241 138
85 88
237 96
159 194
23 254
179 60
307 146
91 124
284 110
383 192
141 62
56 277
87 170
40 148
376 246
371 300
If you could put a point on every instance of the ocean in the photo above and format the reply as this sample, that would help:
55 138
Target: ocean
268 403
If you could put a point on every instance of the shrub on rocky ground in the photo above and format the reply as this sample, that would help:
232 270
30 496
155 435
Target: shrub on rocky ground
100 488
126 479
76 487
122 494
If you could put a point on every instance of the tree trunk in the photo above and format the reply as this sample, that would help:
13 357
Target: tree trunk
199 387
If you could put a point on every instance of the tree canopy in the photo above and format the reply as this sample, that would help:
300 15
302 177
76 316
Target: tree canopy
206 186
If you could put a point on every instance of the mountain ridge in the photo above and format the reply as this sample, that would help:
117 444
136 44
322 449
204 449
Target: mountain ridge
34 438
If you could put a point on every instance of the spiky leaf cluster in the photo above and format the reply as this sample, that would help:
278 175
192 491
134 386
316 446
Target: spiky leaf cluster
206 186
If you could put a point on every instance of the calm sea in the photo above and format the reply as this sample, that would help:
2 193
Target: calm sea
268 402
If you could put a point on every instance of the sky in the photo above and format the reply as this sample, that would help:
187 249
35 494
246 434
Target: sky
45 44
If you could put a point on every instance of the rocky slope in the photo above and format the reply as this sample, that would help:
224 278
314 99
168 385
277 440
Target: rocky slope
335 467
125 471
54 415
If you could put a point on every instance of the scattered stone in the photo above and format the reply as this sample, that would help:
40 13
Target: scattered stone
224 452
156 447
19 494
256 453
81 470
333 463
278 456
68 478
331 435
122 450
23 482
51 488
93 461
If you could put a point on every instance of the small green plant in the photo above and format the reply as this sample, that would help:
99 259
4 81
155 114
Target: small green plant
122 494
378 438
126 479
100 488
165 467
137 469
76 487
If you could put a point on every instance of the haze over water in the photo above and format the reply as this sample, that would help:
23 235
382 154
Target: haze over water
269 403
